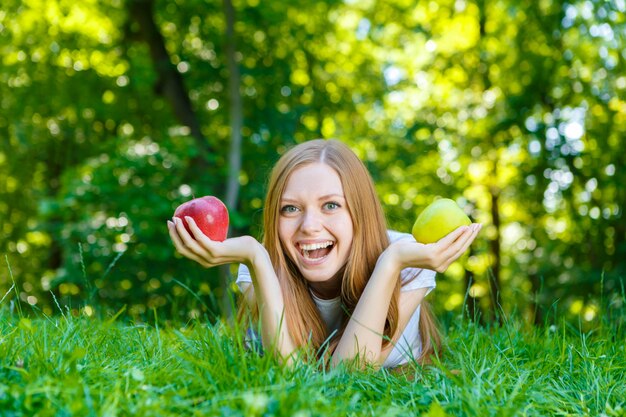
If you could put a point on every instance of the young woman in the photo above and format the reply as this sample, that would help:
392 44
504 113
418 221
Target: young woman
329 275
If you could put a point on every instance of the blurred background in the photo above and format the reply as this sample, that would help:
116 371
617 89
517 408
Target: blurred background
114 112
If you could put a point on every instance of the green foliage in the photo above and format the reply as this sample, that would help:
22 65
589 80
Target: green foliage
515 110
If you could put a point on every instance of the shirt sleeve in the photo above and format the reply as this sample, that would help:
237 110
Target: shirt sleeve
243 276
413 278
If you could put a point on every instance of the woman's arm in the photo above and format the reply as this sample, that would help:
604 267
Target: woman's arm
363 336
408 303
249 251
269 298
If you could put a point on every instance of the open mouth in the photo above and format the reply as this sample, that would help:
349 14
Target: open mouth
316 251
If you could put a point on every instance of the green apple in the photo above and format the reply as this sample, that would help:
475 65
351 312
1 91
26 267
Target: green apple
438 219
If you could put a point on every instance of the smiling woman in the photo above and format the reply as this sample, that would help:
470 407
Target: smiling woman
315 225
329 278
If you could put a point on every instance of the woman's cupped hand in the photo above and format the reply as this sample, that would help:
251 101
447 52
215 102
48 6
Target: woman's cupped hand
209 253
438 256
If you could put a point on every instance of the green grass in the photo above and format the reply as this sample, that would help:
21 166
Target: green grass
81 366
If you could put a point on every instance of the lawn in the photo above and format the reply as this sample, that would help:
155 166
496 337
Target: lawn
85 366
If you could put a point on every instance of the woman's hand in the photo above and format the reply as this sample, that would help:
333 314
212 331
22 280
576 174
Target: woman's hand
438 256
208 253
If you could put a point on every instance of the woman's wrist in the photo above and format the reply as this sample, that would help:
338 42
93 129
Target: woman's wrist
258 256
407 254
389 261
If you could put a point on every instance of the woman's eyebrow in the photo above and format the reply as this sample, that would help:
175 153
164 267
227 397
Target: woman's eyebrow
327 196
323 197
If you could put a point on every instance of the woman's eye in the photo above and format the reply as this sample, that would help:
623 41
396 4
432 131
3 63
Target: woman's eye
331 206
288 209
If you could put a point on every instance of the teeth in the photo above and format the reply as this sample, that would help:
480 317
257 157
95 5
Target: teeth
314 246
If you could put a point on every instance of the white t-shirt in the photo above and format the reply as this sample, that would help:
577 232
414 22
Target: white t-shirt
409 345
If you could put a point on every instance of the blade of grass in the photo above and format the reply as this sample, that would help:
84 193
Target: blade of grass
7 293
17 294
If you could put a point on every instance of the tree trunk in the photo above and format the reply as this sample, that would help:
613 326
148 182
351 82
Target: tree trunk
236 123
471 306
494 276
494 244
235 109
170 83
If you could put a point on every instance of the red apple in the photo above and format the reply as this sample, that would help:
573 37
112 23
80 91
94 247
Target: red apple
209 213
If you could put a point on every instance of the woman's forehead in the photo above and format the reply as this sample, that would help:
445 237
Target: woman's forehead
313 180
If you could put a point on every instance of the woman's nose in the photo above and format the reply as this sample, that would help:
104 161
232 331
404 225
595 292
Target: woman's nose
311 222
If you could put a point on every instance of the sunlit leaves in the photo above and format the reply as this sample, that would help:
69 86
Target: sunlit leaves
521 102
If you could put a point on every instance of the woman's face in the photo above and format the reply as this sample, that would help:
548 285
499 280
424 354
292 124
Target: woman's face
315 226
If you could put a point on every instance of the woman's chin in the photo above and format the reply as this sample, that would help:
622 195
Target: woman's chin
321 274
